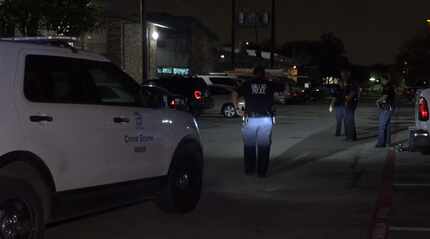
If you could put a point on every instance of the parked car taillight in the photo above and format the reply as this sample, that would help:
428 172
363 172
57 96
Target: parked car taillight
198 95
423 110
172 104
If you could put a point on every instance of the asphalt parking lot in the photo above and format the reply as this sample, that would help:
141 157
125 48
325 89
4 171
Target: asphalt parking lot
319 186
410 214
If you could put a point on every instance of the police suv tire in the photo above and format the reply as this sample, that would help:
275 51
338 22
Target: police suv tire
21 212
182 188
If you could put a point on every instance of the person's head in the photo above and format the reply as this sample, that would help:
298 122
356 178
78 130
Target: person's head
386 82
345 74
260 72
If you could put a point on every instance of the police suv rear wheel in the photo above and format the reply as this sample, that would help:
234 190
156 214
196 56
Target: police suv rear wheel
182 188
21 213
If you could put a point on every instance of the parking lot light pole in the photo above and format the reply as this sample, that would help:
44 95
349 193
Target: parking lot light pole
233 34
273 43
144 40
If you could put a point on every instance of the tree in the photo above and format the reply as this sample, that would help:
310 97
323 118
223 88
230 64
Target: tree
26 15
7 26
414 59
302 52
64 17
332 52
72 17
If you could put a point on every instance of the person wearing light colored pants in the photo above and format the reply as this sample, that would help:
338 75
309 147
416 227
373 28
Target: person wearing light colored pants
340 119
384 132
257 137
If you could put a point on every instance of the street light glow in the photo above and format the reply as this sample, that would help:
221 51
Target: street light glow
155 35
372 79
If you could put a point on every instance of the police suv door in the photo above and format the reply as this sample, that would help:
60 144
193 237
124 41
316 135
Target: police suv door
61 119
135 140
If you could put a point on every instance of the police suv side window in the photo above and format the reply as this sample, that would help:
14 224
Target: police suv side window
50 79
113 86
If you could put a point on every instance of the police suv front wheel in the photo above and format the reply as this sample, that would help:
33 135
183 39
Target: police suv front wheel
182 189
21 213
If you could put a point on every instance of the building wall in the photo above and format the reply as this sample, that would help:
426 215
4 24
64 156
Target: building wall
203 52
173 50
132 53
114 38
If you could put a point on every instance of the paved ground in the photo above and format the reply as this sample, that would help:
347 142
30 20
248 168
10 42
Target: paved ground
410 214
319 187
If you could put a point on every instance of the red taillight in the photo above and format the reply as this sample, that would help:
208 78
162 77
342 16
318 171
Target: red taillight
423 110
198 95
172 104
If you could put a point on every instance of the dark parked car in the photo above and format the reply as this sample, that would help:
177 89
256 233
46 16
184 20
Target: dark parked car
194 90
162 98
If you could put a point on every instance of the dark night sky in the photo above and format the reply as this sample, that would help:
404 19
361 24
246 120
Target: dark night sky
372 30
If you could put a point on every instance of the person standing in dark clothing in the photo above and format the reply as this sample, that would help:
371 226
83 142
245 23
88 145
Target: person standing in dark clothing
386 106
258 121
338 104
352 92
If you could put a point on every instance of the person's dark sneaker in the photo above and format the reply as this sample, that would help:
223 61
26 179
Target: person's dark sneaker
380 146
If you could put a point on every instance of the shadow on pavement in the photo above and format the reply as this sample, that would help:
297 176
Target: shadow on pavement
313 148
324 144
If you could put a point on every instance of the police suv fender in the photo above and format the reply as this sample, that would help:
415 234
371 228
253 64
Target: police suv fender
65 141
419 135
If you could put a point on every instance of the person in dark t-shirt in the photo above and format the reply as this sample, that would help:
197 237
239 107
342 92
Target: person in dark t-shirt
352 93
258 120
386 105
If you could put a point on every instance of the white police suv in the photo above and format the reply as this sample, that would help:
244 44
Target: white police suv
419 136
72 120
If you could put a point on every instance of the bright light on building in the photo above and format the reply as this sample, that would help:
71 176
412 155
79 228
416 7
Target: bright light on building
428 21
155 35
294 67
372 79
247 43
222 56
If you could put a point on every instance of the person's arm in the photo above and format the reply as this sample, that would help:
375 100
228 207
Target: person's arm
236 94
333 100
235 99
352 93
381 100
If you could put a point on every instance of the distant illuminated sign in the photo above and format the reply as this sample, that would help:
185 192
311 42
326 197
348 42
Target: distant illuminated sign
254 19
165 70
173 71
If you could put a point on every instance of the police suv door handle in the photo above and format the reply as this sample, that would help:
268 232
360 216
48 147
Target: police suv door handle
41 118
121 120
